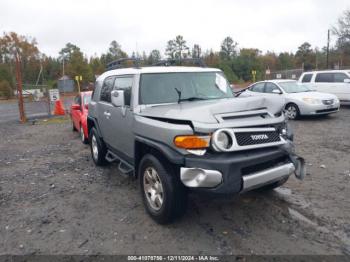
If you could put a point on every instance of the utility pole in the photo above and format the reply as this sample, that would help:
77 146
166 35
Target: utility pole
327 49
22 115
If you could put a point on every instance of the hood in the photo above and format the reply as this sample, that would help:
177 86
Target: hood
209 111
313 94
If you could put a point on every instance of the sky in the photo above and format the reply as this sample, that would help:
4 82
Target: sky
269 25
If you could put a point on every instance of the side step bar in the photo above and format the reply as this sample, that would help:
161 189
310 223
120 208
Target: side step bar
124 167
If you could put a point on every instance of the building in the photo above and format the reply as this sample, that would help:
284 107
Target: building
65 84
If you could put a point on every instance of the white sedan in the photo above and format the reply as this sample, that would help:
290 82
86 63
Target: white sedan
299 99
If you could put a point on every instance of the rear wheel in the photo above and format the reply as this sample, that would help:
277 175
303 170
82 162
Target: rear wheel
292 111
83 139
73 127
164 196
98 148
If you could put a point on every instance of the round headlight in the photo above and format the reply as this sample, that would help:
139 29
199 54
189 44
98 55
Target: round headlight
224 140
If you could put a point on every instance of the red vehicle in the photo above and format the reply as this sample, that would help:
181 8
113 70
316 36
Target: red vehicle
79 112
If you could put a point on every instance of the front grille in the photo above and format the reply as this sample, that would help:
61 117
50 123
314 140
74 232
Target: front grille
256 138
327 110
328 102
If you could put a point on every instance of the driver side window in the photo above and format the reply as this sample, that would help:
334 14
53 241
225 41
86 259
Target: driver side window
124 83
270 87
106 89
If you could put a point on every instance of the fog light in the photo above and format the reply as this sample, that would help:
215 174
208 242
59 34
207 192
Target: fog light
284 131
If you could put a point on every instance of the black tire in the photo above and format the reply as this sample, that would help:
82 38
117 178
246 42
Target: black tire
94 139
273 185
174 194
73 127
83 139
292 111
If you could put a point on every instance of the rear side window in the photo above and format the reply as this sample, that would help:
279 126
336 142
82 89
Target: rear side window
339 77
324 77
306 78
259 87
106 89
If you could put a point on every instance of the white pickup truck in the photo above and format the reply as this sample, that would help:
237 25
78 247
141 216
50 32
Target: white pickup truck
335 82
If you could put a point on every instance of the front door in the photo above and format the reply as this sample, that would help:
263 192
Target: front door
121 120
104 109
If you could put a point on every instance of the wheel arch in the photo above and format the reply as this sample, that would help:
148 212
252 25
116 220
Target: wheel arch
163 152
92 122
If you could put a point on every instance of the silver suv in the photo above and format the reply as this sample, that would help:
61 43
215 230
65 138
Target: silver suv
181 129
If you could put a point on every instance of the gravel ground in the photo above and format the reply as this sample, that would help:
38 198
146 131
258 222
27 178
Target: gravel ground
53 200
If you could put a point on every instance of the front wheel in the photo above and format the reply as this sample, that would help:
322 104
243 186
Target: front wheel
164 196
292 111
98 148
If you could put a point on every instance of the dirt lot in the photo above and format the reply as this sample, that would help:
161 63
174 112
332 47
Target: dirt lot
53 200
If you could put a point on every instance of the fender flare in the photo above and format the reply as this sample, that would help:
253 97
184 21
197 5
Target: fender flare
169 153
95 124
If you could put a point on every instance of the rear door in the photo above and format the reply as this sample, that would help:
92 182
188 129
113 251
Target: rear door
323 82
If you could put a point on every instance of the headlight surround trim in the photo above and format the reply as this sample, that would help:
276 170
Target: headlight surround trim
231 140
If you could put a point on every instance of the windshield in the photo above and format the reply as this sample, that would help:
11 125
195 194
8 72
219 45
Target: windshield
87 99
293 87
162 88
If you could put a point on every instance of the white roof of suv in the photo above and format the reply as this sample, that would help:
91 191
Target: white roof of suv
328 71
155 69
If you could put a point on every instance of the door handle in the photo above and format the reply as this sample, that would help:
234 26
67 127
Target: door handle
107 114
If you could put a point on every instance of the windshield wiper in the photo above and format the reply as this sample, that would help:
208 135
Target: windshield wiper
179 94
192 98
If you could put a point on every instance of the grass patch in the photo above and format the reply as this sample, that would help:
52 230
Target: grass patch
54 120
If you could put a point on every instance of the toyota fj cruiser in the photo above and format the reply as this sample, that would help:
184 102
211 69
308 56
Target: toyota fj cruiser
179 129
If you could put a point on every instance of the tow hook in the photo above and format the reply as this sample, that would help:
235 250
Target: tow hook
298 162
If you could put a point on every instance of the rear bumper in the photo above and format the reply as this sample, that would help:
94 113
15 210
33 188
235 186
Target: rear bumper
236 172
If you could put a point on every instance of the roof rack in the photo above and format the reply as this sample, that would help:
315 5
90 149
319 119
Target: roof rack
136 62
116 64
172 62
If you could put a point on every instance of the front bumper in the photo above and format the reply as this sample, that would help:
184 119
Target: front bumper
230 173
307 109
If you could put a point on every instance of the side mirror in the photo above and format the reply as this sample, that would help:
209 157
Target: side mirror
117 98
76 107
347 80
276 91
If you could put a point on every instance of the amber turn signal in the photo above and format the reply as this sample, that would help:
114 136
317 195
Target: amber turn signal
192 142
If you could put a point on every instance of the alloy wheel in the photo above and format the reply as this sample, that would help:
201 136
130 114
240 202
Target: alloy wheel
292 112
153 188
94 147
82 136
